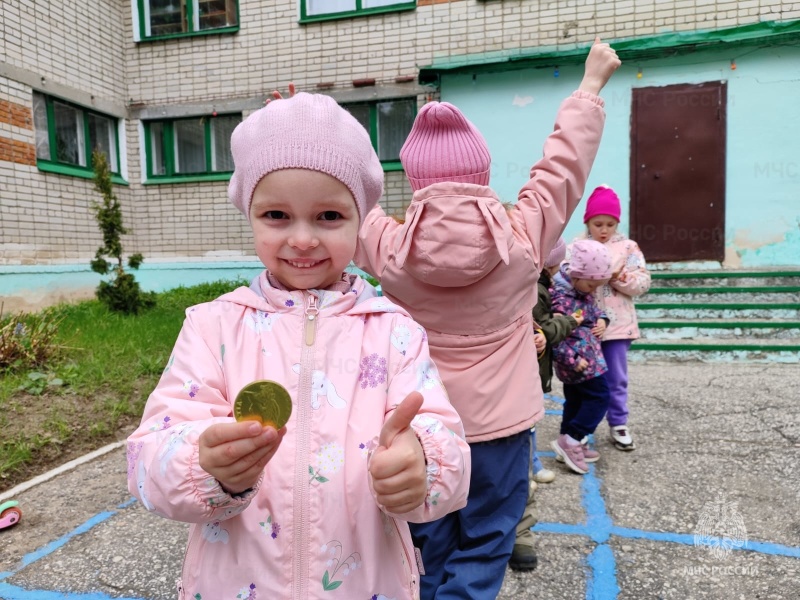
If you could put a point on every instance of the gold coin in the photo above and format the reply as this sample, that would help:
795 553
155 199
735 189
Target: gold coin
264 401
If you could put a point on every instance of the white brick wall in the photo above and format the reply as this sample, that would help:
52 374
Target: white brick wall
85 52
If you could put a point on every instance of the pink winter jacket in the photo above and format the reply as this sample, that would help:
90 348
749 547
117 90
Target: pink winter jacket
311 527
467 269
616 299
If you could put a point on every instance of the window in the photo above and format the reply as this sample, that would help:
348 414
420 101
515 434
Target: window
317 10
389 123
67 134
169 18
197 147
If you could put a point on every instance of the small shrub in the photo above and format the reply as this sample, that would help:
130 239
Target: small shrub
123 293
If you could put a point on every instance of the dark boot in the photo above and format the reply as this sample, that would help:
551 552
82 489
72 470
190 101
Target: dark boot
523 558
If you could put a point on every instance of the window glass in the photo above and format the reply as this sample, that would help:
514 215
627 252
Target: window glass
101 137
158 165
324 7
360 112
70 146
164 17
395 120
221 130
379 3
213 14
40 125
189 146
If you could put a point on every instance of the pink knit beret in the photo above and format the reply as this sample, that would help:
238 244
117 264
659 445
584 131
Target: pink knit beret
602 201
444 146
557 254
589 259
306 131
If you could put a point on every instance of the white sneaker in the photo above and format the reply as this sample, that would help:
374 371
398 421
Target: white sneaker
544 476
621 436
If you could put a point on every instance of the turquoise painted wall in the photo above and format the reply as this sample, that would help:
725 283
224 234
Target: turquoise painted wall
515 110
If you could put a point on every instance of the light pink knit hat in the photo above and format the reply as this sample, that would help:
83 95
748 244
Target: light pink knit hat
306 131
444 146
557 254
602 201
589 259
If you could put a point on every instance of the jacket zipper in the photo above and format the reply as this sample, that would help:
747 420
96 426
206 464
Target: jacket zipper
302 458
412 577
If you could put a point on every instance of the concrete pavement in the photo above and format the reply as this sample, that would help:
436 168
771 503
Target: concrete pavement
706 507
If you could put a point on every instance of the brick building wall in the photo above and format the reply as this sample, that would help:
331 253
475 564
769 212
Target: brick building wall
86 53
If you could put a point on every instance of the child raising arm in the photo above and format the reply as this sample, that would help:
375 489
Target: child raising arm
466 269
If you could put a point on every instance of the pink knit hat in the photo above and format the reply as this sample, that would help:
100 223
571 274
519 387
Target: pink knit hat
306 131
589 259
444 146
557 254
602 201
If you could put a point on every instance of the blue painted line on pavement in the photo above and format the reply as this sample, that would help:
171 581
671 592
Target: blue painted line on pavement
55 545
602 582
12 592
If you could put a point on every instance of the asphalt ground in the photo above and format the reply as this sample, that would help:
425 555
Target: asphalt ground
705 507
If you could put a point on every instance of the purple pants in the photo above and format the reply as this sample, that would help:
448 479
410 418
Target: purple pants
616 354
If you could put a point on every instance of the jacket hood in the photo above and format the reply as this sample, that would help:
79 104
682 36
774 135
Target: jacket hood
357 297
454 234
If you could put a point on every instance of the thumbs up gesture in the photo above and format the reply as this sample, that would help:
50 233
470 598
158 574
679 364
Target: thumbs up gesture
398 464
600 66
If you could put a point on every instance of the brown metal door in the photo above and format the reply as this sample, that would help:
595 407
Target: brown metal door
678 171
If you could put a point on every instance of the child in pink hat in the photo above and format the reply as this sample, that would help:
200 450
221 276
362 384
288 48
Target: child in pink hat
467 268
579 362
322 502
629 280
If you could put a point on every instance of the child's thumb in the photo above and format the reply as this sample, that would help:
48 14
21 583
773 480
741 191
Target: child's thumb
401 418
596 40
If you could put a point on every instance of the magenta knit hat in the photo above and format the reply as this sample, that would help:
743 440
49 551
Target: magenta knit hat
557 254
444 146
306 131
589 259
603 201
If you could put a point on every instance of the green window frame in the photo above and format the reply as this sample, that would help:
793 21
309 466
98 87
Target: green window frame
190 148
67 134
388 122
326 10
166 19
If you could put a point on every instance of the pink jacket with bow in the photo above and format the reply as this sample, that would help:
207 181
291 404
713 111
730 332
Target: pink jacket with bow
467 270
311 525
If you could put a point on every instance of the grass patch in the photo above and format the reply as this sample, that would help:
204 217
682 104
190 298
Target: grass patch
92 389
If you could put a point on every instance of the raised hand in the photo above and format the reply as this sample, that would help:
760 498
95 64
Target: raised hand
276 95
236 453
398 464
600 66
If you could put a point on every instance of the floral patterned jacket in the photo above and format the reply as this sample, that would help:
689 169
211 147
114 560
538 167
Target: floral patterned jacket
581 343
312 524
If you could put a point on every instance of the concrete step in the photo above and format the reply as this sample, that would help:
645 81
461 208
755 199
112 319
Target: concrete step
727 278
718 310
721 330
719 294
712 350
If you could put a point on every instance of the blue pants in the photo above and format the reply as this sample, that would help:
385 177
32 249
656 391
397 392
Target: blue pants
585 405
465 553
537 464
616 355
